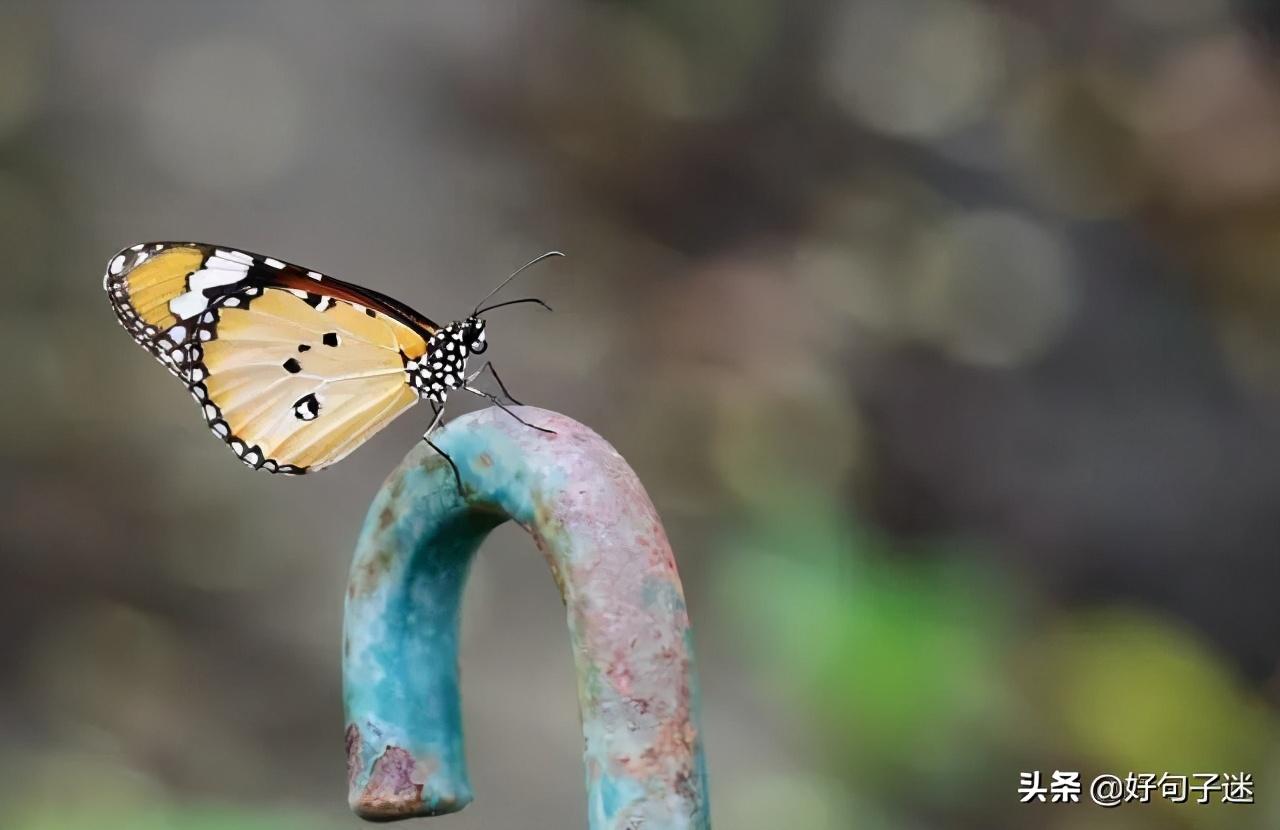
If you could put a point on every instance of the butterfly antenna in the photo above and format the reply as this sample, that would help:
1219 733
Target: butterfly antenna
514 273
512 302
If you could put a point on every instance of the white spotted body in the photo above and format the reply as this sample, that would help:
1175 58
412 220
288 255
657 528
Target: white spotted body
443 368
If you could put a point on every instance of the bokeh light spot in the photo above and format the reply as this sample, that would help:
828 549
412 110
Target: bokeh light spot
916 68
995 289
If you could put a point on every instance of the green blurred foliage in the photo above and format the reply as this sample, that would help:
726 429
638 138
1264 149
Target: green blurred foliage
1131 691
900 655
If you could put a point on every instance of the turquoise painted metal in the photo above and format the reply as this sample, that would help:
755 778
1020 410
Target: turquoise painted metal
628 626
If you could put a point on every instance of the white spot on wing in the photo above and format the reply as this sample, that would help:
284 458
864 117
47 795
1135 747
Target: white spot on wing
186 306
117 264
206 278
274 263
238 256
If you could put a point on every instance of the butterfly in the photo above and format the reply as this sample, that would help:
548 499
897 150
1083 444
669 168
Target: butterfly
291 368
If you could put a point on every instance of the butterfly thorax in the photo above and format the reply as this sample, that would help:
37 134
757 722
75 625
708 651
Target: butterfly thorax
443 368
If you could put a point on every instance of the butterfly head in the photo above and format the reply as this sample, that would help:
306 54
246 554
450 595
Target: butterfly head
443 368
473 334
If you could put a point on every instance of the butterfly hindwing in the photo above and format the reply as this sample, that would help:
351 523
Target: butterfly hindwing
299 386
292 369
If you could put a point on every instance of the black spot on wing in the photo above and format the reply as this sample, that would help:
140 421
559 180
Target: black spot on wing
331 339
307 408
292 366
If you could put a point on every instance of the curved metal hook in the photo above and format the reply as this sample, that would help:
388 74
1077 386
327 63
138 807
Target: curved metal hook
628 625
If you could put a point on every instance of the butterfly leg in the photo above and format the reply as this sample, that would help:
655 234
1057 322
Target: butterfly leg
426 436
492 398
494 372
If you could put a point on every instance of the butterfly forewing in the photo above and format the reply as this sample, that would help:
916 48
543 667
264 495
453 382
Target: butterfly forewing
292 369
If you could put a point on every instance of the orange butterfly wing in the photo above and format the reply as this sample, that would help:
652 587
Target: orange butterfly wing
292 369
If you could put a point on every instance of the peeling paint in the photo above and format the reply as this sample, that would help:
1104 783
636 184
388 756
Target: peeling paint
354 762
394 789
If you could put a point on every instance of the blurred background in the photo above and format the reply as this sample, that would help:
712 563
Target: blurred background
942 332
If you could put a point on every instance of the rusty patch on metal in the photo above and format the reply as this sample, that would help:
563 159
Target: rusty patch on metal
371 572
386 518
484 460
354 762
685 787
546 530
394 789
